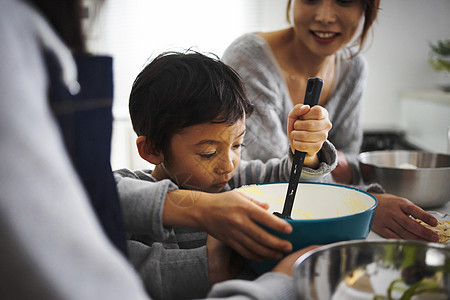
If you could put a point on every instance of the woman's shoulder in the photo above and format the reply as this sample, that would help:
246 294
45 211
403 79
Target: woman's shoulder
251 56
251 39
249 46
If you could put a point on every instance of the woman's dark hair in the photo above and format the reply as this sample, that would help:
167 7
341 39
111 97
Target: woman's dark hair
371 8
65 16
177 90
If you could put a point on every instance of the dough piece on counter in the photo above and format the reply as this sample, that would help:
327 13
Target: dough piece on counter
442 229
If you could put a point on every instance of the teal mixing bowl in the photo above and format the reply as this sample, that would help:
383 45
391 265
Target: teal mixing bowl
322 214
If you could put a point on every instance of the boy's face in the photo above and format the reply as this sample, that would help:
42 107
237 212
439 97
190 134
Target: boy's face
205 156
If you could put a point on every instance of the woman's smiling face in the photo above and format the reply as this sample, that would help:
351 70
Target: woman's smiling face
205 156
325 26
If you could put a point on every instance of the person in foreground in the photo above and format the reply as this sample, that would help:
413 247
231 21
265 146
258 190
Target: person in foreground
53 243
323 42
188 110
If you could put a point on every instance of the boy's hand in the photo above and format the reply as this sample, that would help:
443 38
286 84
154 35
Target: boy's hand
233 218
392 219
223 262
307 131
286 264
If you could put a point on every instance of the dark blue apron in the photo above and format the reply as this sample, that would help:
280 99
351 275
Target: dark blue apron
85 120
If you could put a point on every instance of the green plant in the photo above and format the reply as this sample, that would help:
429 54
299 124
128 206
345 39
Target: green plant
440 56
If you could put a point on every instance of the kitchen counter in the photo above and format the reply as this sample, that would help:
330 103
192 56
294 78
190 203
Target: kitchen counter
443 209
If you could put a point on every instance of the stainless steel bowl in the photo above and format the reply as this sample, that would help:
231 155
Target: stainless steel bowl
388 269
421 177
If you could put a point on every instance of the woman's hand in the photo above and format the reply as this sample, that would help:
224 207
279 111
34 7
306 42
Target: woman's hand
286 264
392 219
307 131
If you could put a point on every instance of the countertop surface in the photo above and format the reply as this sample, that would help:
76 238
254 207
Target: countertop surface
443 209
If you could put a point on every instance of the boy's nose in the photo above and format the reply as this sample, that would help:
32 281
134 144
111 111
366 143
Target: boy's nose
325 13
225 164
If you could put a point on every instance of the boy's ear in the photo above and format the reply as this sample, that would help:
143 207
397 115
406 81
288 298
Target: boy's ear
147 152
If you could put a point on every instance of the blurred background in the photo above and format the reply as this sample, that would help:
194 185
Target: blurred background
404 105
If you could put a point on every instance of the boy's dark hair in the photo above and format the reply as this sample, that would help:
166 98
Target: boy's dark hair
177 90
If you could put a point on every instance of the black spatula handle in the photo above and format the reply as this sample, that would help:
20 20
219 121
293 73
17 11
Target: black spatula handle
312 96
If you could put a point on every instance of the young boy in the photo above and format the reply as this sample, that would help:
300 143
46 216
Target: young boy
189 111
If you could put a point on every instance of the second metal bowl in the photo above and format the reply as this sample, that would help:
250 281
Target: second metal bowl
421 177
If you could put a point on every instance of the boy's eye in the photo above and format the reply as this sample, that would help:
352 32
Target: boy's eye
207 155
237 146
346 2
340 2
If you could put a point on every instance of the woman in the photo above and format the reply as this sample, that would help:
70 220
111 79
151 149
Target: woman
324 41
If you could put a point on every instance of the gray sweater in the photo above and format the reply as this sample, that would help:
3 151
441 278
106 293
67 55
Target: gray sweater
173 261
266 136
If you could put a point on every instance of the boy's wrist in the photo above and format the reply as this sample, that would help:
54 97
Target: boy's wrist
183 208
199 210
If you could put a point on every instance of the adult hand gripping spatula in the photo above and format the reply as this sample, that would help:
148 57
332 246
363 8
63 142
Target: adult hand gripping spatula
312 95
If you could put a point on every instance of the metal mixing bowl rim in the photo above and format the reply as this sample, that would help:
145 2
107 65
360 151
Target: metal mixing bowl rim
406 151
366 153
323 248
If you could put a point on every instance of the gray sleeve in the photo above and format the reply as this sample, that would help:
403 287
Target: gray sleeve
142 202
279 170
328 161
171 273
266 135
269 286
